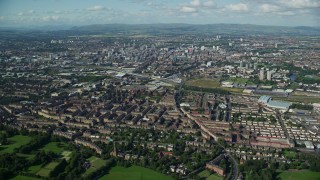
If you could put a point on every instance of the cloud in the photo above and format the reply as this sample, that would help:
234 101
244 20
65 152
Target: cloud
187 9
27 13
301 3
286 13
50 18
195 3
198 6
209 3
240 7
97 8
266 8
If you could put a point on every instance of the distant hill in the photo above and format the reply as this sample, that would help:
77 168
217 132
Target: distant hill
156 29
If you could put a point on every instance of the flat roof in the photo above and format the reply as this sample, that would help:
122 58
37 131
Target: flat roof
279 104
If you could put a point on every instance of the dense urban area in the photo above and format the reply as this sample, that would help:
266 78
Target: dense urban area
215 105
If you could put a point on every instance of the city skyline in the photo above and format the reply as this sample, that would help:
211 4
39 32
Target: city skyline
32 13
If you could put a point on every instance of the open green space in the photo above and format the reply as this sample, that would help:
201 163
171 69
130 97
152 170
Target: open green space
233 90
34 169
298 175
20 177
299 99
133 173
45 171
214 177
27 156
237 80
290 154
204 174
66 155
96 163
206 83
212 84
56 147
15 142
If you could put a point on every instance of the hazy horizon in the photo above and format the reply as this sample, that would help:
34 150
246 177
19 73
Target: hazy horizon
31 13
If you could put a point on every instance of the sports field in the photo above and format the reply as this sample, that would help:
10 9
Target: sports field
96 163
308 175
15 142
134 173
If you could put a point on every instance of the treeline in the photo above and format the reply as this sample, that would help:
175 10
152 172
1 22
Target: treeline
10 164
103 170
302 107
208 90
259 169
307 80
36 143
13 164
59 168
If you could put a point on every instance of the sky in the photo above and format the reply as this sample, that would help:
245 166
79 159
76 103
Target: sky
28 13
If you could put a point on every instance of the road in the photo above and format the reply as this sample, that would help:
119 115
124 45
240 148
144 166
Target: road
235 170
282 124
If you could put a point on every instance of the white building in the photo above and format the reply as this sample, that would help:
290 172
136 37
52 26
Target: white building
269 75
309 145
261 75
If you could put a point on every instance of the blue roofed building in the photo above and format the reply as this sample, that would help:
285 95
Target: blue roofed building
279 105
267 100
264 99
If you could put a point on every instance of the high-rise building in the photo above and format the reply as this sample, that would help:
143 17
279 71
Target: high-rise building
269 75
255 65
261 75
241 64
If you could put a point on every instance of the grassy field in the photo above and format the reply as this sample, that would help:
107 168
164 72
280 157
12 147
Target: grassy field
290 154
55 147
66 155
204 174
133 173
308 175
96 163
300 99
211 83
20 177
27 156
16 142
214 177
206 83
238 80
233 90
44 172
34 169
